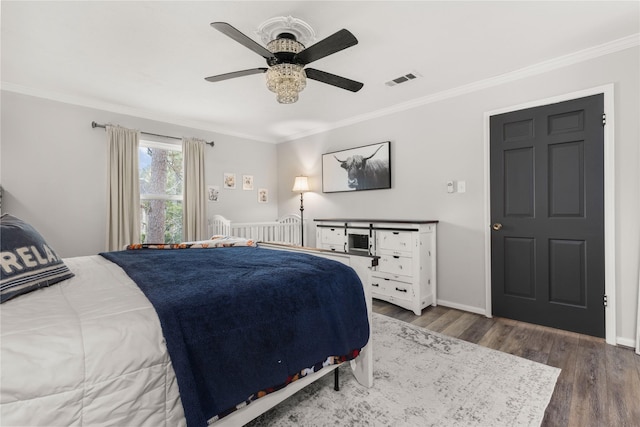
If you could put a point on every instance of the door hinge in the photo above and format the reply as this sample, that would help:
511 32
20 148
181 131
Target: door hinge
604 119
604 300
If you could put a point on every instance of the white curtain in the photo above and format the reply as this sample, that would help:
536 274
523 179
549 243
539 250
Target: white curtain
194 205
123 204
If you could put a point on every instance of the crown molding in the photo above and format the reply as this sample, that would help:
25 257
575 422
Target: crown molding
522 73
119 109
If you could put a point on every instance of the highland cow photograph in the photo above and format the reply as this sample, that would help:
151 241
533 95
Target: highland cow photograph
361 168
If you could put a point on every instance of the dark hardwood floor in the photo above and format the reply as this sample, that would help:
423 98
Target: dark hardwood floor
599 384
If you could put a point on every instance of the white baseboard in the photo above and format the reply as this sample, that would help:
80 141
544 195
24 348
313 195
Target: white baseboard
476 310
627 342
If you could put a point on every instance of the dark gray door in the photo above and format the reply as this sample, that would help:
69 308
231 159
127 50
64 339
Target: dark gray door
547 213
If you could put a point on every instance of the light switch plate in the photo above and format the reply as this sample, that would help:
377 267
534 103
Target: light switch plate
451 187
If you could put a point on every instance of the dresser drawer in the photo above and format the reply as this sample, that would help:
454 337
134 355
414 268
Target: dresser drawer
334 248
395 241
392 288
394 264
332 236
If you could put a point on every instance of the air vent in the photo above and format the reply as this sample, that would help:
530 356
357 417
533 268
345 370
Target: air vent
403 79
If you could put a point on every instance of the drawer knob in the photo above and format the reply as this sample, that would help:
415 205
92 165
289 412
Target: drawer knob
400 289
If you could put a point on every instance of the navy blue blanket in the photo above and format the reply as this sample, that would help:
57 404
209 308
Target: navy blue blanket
242 319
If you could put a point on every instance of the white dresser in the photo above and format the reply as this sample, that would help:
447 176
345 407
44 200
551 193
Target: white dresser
406 271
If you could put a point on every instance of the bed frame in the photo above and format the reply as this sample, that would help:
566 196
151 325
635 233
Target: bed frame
362 366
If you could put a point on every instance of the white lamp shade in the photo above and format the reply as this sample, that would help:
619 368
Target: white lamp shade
301 184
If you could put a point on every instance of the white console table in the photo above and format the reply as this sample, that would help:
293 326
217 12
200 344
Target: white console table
406 272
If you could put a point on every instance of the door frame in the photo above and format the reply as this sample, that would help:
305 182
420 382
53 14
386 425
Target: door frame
609 196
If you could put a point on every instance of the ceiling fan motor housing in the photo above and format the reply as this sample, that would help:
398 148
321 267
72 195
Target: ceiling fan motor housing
284 48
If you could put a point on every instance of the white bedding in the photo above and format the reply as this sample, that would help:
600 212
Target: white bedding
97 357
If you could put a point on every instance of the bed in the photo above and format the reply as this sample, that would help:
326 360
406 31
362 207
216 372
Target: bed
90 349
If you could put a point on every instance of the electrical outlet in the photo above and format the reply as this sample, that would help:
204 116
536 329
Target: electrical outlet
462 186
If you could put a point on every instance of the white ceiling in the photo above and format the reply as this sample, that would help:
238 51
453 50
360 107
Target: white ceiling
150 58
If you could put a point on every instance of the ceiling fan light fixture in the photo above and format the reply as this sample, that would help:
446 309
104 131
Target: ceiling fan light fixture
286 81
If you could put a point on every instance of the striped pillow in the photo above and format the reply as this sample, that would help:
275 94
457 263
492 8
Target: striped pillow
27 263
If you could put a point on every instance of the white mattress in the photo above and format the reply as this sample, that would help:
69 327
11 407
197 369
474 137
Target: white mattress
86 351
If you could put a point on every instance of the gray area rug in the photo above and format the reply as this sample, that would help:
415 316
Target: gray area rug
422 378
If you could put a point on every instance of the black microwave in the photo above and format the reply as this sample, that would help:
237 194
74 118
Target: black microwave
358 242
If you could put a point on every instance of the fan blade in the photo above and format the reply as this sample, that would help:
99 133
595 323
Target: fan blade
235 74
332 79
332 44
235 34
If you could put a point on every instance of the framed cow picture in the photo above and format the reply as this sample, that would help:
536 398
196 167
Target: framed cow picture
361 168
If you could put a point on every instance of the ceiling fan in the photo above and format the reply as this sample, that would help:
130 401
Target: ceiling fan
286 58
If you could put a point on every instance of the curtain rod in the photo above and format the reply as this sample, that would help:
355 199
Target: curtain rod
98 125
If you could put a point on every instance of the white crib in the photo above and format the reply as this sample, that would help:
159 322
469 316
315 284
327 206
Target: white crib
285 229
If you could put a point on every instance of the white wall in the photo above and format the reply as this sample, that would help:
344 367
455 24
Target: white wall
443 141
53 170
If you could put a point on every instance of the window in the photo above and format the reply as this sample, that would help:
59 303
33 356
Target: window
160 167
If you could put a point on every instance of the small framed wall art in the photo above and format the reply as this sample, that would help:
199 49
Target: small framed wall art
230 180
263 195
213 193
247 182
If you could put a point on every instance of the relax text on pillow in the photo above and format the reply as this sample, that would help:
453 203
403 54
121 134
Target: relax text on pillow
26 257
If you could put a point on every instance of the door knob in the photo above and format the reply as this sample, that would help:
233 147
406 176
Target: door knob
497 226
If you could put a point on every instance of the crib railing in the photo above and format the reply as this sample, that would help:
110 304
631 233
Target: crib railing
285 230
